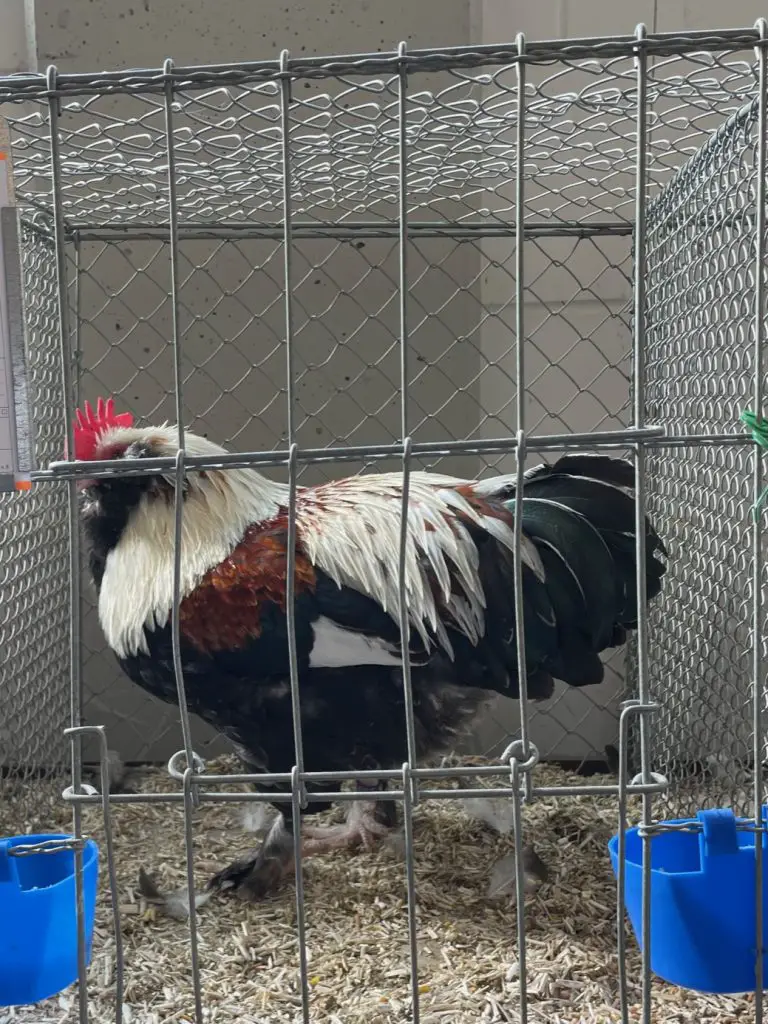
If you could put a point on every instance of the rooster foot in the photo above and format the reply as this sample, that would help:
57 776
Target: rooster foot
262 872
367 823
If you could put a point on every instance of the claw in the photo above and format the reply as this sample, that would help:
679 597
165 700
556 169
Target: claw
262 872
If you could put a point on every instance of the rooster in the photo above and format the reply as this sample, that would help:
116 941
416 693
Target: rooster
579 589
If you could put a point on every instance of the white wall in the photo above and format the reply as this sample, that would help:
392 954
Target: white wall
18 49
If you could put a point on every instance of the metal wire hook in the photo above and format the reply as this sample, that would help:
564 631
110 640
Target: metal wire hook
285 74
516 750
177 765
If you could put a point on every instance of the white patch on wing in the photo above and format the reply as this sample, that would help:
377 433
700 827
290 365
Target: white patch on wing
336 647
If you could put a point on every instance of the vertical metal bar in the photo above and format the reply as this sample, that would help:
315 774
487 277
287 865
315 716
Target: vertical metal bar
189 852
297 796
758 669
61 264
410 880
410 787
402 124
285 117
75 656
290 580
106 809
630 708
77 355
621 874
522 670
173 238
290 610
639 374
517 826
520 69
190 791
112 870
298 790
173 219
405 621
641 173
290 372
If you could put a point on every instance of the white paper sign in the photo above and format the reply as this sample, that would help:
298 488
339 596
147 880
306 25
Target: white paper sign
14 432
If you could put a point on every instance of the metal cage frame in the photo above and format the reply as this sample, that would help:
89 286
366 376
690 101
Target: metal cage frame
517 777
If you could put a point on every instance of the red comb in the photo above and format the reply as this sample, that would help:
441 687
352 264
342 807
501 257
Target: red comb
89 426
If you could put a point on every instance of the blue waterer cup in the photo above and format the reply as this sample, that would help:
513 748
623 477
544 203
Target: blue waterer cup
703 902
38 918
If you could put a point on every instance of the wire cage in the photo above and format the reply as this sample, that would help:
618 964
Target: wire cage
343 149
472 248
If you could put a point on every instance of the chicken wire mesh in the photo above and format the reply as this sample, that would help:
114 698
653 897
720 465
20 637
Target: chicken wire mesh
460 131
702 245
34 540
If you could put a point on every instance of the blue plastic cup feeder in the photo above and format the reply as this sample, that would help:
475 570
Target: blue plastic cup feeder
38 918
703 904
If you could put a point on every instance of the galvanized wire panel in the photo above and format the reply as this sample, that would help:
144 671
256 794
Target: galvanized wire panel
460 131
34 589
345 309
700 366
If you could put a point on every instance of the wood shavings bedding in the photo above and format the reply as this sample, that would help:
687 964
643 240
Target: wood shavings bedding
357 924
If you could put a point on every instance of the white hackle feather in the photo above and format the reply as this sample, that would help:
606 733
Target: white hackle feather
350 529
137 588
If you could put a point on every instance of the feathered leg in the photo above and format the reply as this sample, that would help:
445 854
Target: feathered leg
368 821
262 872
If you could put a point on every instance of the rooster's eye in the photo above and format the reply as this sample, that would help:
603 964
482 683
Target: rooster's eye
138 450
111 451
